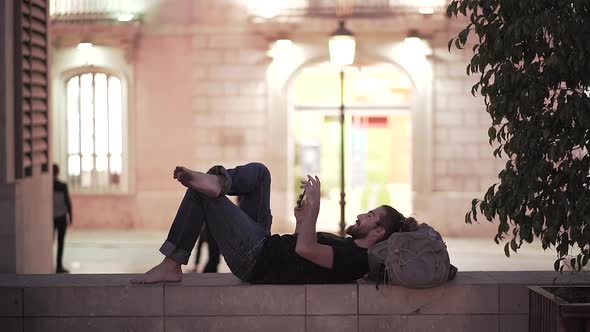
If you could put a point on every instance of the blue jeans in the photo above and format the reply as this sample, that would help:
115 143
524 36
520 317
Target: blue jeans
240 231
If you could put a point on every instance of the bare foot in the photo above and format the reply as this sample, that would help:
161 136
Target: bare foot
207 184
167 270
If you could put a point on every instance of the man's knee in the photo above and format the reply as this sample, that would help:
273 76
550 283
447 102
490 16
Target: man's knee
264 172
195 194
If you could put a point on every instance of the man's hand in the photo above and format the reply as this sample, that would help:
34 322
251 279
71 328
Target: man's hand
310 206
307 216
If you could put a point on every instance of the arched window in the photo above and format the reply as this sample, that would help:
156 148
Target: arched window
94 131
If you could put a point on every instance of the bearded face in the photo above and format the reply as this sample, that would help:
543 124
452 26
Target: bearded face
357 231
365 223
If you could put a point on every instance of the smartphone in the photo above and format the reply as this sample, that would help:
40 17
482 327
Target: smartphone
301 198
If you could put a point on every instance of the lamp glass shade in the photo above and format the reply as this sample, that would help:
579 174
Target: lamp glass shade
84 45
342 49
125 17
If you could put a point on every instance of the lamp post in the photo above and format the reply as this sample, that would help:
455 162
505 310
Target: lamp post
342 48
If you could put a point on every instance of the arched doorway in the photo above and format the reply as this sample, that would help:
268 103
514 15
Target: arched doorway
378 149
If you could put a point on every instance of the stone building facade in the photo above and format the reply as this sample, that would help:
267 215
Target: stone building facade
200 89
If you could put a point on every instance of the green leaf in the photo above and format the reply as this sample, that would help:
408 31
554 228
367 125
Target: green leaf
450 43
468 218
492 134
452 9
463 35
573 264
513 245
562 248
557 263
526 233
474 209
458 44
463 7
449 10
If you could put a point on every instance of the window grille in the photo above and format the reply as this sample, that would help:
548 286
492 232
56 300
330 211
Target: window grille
94 131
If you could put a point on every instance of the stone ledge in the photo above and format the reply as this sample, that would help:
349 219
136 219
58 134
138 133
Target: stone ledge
483 301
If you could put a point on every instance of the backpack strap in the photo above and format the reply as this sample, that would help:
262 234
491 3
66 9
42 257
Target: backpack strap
452 272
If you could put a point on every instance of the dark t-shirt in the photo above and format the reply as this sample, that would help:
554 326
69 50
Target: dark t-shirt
279 264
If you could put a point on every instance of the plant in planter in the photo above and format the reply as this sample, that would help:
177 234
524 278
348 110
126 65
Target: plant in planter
533 62
533 59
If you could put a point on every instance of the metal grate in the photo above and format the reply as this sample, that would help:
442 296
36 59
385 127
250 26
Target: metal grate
543 313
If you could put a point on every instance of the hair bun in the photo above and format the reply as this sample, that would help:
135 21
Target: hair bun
410 225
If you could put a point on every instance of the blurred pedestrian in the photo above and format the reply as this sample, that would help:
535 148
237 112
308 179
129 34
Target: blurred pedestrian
62 216
213 249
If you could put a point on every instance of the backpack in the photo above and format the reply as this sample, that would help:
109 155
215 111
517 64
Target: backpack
417 259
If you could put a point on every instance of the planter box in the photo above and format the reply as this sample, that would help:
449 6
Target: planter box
551 313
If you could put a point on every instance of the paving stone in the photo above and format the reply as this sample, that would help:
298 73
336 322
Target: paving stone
94 324
448 299
473 277
11 302
331 323
207 279
72 280
514 299
537 277
93 301
514 323
331 299
434 323
242 324
235 300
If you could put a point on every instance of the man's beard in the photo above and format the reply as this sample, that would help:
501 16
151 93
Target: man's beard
356 232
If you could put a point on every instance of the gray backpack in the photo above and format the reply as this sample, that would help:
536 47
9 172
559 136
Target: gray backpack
417 259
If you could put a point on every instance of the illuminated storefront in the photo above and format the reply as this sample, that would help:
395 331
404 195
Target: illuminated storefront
378 147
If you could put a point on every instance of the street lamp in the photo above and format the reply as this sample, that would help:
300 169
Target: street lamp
342 47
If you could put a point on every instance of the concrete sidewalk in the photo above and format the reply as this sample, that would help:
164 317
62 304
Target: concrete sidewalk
136 251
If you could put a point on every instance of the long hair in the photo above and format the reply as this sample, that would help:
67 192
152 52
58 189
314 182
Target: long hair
393 221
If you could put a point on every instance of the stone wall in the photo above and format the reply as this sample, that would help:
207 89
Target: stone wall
204 92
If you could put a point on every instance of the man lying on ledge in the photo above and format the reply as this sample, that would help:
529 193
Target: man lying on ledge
243 232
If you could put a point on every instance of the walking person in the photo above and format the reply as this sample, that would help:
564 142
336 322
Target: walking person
243 232
62 216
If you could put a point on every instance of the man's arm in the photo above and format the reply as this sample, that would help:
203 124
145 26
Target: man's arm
307 245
